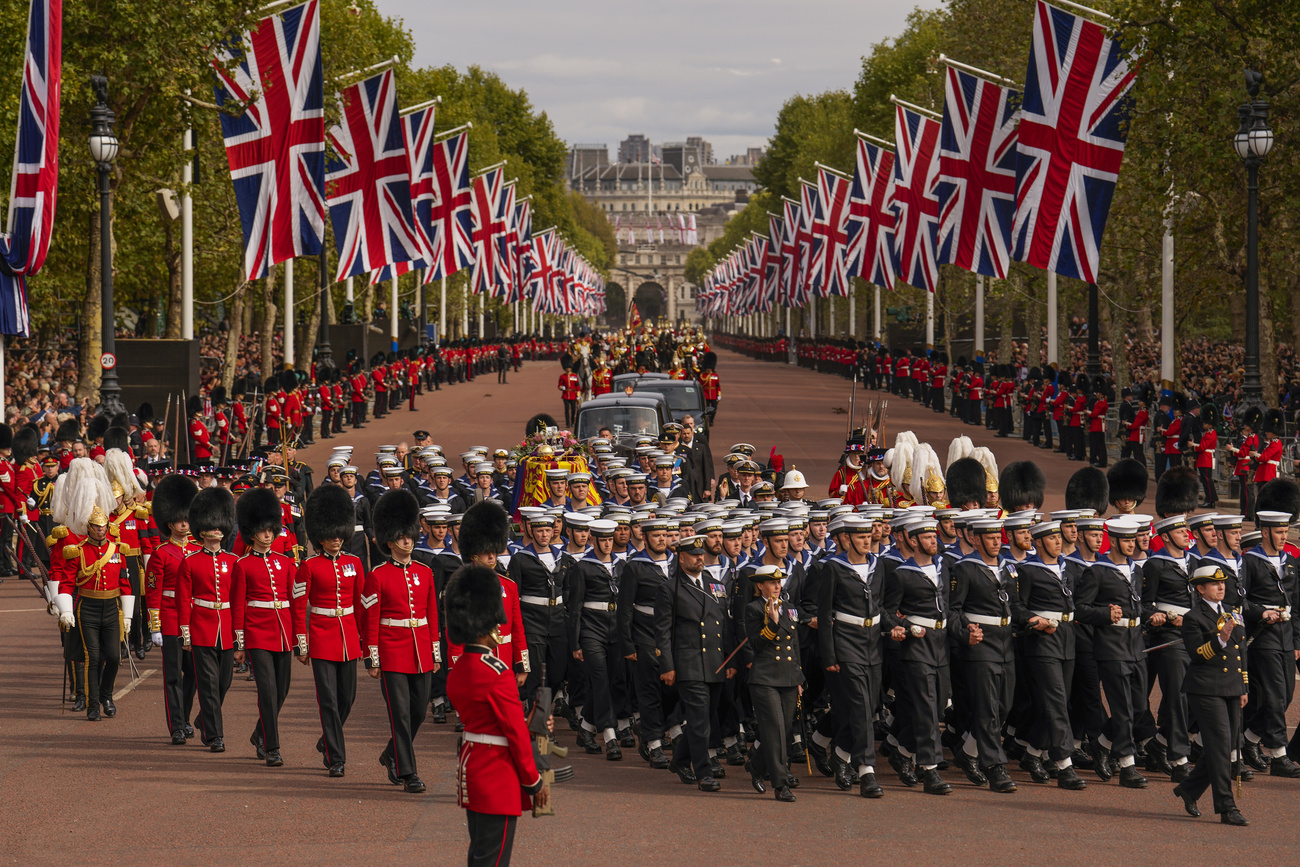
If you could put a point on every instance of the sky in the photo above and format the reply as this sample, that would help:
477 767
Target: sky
720 69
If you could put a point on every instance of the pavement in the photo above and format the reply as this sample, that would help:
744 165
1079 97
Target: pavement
117 789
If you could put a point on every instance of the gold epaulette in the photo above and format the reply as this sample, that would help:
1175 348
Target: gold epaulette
71 552
142 512
1206 651
59 532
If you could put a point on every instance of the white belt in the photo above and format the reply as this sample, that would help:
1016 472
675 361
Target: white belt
1176 610
170 594
1058 616
359 528
927 622
854 620
476 738
215 606
542 600
600 606
332 612
648 610
1128 622
275 603
411 622
506 639
986 620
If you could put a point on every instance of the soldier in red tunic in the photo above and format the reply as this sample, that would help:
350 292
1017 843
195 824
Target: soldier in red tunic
484 533
203 609
260 605
568 387
171 513
401 623
496 774
330 586
710 385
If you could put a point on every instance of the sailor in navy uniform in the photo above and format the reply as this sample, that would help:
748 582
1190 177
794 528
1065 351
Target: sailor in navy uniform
771 653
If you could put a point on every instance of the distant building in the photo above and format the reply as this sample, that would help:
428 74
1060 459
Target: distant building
634 149
751 157
703 148
587 156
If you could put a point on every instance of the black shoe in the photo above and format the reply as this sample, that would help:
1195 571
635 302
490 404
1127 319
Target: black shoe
1131 778
1239 769
413 784
821 760
217 745
686 775
92 714
755 780
792 781
1000 781
716 768
1189 803
1082 760
336 769
189 730
110 709
320 745
139 653
626 739
735 759
1158 758
178 738
126 654
784 794
1068 778
658 760
613 753
970 767
387 761
80 704
1254 757
1012 748
869 788
935 784
1181 772
797 754
1233 817
440 714
1035 768
1283 766
708 784
587 740
257 745
273 759
643 752
1101 762
904 768
843 777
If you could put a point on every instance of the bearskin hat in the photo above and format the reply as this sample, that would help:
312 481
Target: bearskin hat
257 510
288 380
1279 495
709 360
1177 491
69 431
966 482
1022 486
1252 418
1128 480
472 602
25 443
396 514
1087 489
212 509
96 426
117 438
1274 422
329 514
539 423
566 361
218 395
145 411
484 529
6 436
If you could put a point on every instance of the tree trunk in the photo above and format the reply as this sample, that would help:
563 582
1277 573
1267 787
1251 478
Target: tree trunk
172 259
234 336
268 323
1006 324
90 344
1033 318
308 344
1115 337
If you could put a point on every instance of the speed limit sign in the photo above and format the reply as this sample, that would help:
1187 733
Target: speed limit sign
108 361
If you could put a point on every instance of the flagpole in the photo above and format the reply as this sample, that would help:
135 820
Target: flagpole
187 239
464 310
876 330
876 140
1051 317
392 312
437 100
464 126
833 171
383 64
442 311
979 314
349 296
288 313
991 77
914 107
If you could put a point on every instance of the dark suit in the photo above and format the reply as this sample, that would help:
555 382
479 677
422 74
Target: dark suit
848 635
1214 685
922 660
1117 646
772 655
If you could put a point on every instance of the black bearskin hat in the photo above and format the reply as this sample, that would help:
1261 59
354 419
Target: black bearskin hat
1087 489
25 443
6 436
329 514
218 395
1252 418
484 529
272 384
1177 491
1274 422
396 514
118 438
1128 480
1209 415
539 423
472 602
96 426
194 406
1022 486
237 388
119 420
288 380
171 501
966 481
69 431
212 509
259 509
145 412
709 361
1279 495
566 361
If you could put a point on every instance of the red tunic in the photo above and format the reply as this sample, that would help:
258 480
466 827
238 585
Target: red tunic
711 385
1270 458
332 589
1097 418
1248 445
81 557
514 644
1137 426
568 386
260 602
1205 450
203 598
401 619
602 382
202 440
162 575
1172 434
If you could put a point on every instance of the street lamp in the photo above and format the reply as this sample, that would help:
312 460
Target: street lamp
1253 141
103 150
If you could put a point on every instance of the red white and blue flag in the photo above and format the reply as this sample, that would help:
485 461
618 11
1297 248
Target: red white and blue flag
977 174
916 174
807 269
522 231
491 269
33 190
368 180
793 219
830 235
276 147
1073 127
450 217
417 132
871 216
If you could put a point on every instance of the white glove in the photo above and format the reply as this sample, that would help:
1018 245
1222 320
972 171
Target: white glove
126 626
156 638
31 503
66 620
128 610
22 516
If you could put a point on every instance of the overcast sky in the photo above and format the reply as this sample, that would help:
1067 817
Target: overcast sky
716 68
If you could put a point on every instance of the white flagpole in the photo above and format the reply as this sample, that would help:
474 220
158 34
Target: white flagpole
288 312
853 309
979 314
876 329
929 320
442 311
1051 317
392 312
187 240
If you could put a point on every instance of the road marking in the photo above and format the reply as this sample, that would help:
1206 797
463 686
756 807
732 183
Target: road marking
117 696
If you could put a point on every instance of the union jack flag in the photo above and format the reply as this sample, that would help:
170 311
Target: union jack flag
369 181
790 254
807 267
33 192
491 270
773 286
509 246
523 240
276 148
542 283
1073 127
977 174
831 235
450 216
871 217
417 132
916 174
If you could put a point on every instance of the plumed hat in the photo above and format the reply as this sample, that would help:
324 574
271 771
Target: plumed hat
259 509
472 603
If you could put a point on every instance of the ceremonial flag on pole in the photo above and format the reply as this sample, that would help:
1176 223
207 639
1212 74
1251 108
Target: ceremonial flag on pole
417 133
33 190
1073 128
276 147
368 180
977 174
805 274
916 174
490 261
790 254
831 234
871 217
450 217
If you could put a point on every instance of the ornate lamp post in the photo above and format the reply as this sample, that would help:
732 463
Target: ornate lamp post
103 150
1253 141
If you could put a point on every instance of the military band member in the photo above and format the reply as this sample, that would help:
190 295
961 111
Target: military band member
261 595
203 593
330 586
401 623
1216 686
771 654
1166 599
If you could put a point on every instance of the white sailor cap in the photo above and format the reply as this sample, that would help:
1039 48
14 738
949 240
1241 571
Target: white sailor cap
1273 519
602 527
1164 525
1228 522
1046 528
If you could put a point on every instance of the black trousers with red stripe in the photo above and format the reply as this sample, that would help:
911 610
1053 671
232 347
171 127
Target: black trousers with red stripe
407 698
491 838
178 683
272 673
214 668
336 690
